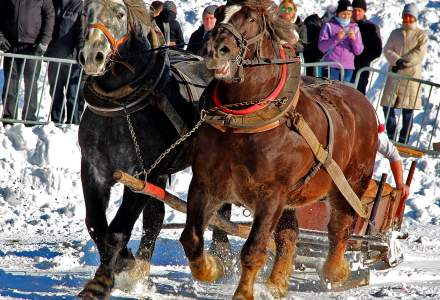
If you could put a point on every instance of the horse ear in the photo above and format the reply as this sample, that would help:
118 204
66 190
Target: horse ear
154 38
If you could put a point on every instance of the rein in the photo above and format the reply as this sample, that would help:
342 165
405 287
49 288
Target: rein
261 105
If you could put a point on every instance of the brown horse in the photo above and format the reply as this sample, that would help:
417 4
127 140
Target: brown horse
258 170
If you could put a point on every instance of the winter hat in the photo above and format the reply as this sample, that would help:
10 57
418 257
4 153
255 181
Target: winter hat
411 9
169 5
344 5
209 10
360 4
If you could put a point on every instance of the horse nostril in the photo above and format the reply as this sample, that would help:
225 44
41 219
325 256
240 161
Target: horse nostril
82 59
99 58
224 50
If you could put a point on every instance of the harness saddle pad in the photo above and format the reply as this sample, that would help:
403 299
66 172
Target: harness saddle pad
190 73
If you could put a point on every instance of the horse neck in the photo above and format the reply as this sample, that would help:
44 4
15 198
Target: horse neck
134 59
258 81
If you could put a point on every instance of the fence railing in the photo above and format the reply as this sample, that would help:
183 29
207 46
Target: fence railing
36 90
323 68
53 94
421 127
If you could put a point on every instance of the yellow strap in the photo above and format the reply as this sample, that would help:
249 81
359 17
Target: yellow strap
330 165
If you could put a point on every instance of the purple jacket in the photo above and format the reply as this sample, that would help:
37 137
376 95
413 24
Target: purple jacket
343 51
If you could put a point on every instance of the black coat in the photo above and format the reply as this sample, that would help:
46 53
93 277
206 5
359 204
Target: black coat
27 21
302 32
313 26
68 31
176 35
372 44
197 41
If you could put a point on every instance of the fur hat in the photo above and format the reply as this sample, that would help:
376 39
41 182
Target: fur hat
169 5
411 9
344 5
360 4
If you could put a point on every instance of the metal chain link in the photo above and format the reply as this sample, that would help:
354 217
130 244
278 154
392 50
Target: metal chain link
136 145
185 136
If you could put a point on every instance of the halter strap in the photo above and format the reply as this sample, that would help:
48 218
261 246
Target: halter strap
275 93
114 43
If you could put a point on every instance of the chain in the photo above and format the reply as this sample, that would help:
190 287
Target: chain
186 135
136 145
175 144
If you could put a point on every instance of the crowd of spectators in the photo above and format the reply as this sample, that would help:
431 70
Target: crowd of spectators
343 34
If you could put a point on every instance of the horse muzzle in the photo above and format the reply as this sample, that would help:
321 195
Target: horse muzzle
93 61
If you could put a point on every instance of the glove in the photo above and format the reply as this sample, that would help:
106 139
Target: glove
401 64
40 49
4 44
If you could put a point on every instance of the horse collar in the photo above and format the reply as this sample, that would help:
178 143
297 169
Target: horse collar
261 104
130 97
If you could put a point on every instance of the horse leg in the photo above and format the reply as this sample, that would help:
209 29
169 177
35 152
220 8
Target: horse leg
254 252
220 246
200 209
115 241
286 234
96 197
153 215
336 268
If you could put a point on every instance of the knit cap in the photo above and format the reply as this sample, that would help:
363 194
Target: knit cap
411 9
344 5
169 5
360 4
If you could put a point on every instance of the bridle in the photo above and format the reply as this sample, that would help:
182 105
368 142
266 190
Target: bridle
114 43
244 43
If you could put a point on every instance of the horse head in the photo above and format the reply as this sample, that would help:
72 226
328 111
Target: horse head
246 31
111 26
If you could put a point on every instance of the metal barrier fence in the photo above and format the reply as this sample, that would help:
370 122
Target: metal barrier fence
37 97
422 124
323 68
37 90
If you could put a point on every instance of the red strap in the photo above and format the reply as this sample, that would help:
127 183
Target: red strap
257 106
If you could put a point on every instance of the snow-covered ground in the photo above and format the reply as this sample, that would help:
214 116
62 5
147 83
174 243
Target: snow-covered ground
46 253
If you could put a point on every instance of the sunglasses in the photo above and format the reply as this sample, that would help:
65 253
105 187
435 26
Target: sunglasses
285 9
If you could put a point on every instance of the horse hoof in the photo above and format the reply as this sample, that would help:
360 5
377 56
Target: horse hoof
140 270
208 268
277 290
124 264
335 273
98 288
239 296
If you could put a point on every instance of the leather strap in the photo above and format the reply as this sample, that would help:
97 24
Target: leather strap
329 164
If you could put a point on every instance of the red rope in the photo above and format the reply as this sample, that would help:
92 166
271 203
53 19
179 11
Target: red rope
259 106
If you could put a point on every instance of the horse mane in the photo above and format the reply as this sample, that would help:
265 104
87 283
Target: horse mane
281 29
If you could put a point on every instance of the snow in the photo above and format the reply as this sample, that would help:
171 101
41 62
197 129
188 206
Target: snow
46 252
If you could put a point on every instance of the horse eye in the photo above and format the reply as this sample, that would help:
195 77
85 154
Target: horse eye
120 15
251 20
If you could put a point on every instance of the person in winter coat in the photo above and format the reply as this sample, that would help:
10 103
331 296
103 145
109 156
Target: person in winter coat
313 24
289 12
404 51
197 41
25 28
67 39
169 26
340 40
372 43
